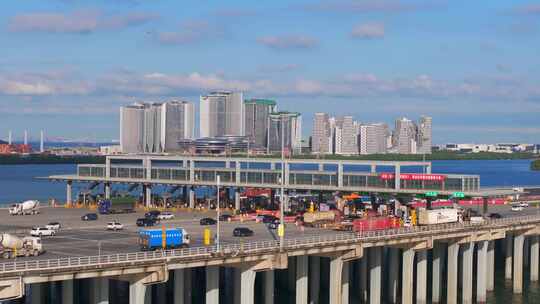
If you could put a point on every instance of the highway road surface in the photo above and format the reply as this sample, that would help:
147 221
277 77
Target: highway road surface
89 238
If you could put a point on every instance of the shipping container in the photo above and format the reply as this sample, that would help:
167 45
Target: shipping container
437 216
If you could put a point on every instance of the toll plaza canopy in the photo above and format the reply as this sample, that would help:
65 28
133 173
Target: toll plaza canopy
299 174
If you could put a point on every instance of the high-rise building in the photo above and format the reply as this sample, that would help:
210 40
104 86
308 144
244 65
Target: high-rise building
404 140
152 128
372 138
349 143
156 127
222 113
424 135
132 128
290 125
257 112
177 123
321 138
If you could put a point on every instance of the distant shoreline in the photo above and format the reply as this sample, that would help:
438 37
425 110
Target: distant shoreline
37 159
49 159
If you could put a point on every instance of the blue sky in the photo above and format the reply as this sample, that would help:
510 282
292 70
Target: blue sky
67 65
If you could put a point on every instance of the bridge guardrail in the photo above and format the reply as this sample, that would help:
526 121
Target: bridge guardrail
255 246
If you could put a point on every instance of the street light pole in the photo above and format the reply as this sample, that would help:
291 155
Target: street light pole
218 211
281 229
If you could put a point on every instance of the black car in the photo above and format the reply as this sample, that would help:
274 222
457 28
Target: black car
225 217
242 231
495 216
145 222
153 214
89 217
207 221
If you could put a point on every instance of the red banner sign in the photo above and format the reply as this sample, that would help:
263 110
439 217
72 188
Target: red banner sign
414 176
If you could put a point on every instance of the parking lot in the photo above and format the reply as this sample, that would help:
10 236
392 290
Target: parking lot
86 238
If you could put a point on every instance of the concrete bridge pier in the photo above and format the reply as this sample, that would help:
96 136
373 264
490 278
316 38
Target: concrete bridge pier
138 293
302 279
68 192
191 197
67 292
336 268
246 277
534 258
437 256
237 199
518 263
345 282
490 264
147 195
452 273
375 275
107 190
393 257
467 273
100 291
407 279
314 279
508 243
182 280
421 277
481 271
212 284
269 286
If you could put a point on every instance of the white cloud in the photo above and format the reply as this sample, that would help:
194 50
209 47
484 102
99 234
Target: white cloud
79 22
288 42
372 30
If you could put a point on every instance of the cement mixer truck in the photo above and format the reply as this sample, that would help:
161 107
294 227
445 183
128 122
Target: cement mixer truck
24 208
12 246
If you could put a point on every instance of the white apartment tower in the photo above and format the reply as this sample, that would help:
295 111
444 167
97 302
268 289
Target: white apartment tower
372 138
290 125
321 138
177 123
222 113
405 136
424 135
349 143
156 127
132 128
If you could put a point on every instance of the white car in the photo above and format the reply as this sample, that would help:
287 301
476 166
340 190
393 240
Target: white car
42 231
517 208
114 226
53 226
523 204
165 216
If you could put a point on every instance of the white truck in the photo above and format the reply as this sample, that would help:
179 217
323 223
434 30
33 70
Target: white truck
438 216
24 208
12 246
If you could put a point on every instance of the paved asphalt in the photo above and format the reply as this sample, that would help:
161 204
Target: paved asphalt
87 238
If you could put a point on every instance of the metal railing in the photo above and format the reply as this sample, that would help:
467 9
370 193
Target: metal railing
258 247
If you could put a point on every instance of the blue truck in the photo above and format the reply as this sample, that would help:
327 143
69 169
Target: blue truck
152 239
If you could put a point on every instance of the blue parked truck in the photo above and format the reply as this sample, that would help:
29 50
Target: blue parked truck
152 239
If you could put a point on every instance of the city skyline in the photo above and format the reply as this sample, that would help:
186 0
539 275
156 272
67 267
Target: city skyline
478 78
